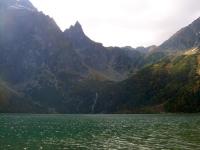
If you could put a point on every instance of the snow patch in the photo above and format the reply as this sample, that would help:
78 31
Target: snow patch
21 7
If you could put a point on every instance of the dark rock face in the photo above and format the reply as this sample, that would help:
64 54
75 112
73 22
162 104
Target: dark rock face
28 46
35 57
184 39
77 37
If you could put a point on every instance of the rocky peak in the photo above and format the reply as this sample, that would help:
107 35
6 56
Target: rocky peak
78 26
75 31
77 37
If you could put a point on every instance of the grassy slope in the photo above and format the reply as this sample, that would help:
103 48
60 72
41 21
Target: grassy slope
12 101
171 83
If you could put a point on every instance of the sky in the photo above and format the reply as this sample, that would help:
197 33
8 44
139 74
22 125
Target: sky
123 22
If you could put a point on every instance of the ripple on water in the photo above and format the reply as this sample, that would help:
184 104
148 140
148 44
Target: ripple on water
136 132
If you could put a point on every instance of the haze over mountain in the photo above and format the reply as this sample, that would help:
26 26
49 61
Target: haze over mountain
45 70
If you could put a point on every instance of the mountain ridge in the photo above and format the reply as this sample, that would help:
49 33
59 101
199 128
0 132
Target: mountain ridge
186 38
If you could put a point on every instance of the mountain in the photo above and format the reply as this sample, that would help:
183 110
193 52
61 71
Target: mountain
167 81
37 60
34 53
27 46
77 37
45 70
171 85
112 63
185 39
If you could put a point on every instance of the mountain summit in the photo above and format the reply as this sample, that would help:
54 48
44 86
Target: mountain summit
76 30
77 37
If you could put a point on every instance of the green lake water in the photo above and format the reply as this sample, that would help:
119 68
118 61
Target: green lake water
109 132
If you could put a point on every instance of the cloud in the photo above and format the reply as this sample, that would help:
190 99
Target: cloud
123 22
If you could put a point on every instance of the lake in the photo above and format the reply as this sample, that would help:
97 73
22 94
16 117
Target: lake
82 132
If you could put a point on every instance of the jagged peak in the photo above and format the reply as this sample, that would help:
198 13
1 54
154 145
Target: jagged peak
77 28
79 39
77 24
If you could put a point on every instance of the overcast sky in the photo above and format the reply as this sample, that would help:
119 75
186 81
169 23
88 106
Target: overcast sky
123 22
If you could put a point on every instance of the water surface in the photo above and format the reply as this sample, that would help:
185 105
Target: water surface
82 132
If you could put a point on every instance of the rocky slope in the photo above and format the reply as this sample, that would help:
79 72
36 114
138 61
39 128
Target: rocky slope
185 39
